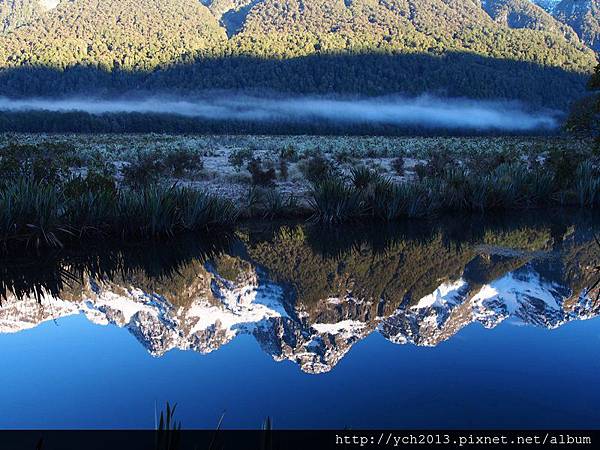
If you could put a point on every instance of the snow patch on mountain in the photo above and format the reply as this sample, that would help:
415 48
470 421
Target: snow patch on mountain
548 5
49 4
446 294
343 327
522 295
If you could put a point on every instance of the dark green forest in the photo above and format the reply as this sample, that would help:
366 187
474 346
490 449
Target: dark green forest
125 48
449 75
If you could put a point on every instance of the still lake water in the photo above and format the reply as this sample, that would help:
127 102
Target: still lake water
466 323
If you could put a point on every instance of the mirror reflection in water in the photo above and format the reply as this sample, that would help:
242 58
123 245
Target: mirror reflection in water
308 295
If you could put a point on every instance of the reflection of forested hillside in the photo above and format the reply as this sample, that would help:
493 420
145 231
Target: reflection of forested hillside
377 264
308 294
403 271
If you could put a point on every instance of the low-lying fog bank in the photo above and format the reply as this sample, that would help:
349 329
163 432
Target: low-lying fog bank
423 111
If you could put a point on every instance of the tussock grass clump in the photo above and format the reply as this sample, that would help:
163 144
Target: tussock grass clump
37 214
31 212
201 211
511 185
333 201
587 185
269 203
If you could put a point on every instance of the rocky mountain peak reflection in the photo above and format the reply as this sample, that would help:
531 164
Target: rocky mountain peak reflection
309 305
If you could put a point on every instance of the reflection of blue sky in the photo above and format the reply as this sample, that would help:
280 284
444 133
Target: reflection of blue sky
77 374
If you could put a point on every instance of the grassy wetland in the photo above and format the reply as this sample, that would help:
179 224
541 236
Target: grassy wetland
59 190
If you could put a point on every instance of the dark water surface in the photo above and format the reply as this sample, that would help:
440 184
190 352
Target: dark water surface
471 323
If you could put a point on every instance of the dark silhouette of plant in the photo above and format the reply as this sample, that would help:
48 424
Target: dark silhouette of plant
147 168
317 168
283 169
260 176
398 166
238 157
168 432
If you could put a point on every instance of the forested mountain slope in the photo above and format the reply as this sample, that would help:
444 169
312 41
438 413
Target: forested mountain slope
584 17
113 33
14 13
146 34
525 14
496 49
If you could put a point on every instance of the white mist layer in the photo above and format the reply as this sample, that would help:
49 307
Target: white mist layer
424 111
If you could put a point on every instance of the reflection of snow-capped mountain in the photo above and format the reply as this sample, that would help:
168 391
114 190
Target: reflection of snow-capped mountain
255 305
522 295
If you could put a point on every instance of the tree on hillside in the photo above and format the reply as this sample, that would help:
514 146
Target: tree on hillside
584 116
594 84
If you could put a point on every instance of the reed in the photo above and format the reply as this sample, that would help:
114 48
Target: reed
36 214
509 186
587 185
333 201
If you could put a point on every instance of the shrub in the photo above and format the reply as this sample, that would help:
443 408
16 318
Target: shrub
239 157
261 177
183 161
35 163
288 153
146 168
283 169
317 168
343 156
483 163
438 163
95 181
398 166
563 165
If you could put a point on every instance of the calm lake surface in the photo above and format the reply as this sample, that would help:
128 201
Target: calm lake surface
470 323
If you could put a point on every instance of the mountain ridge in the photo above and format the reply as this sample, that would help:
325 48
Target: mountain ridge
147 34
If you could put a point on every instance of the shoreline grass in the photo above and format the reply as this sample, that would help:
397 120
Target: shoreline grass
510 186
36 214
52 195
